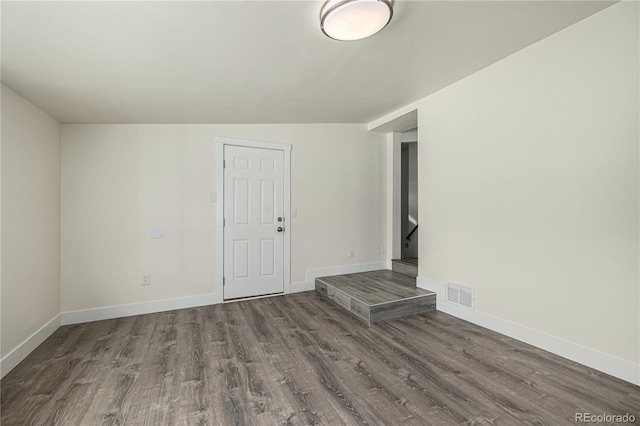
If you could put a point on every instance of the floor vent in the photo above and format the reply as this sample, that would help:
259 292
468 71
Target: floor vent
461 295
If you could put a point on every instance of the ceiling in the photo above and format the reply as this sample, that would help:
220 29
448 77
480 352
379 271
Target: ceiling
253 61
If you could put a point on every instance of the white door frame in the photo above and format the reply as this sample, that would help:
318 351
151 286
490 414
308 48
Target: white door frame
286 149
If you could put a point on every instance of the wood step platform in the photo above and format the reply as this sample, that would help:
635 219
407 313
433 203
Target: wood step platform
377 295
405 266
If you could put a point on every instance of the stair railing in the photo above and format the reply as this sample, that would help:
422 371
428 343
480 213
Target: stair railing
408 237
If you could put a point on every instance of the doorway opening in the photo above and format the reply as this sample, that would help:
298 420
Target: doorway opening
409 199
402 190
407 237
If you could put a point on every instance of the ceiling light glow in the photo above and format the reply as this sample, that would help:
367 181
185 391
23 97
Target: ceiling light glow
354 19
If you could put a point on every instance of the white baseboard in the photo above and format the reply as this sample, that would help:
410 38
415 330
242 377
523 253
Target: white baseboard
312 274
15 357
609 364
109 312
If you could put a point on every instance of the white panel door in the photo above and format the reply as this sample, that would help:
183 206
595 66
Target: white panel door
253 222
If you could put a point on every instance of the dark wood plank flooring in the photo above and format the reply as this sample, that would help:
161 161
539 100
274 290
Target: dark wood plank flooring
298 360
413 261
377 296
376 287
408 266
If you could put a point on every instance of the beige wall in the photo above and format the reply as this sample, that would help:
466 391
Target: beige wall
529 185
120 181
30 176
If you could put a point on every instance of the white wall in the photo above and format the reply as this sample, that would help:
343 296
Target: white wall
30 253
120 181
529 185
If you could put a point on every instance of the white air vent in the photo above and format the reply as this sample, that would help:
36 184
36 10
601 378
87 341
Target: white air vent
453 293
461 295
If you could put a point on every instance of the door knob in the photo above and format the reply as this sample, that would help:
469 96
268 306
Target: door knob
280 219
280 229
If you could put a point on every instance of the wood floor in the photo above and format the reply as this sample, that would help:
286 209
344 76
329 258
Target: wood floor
377 296
408 266
408 261
299 360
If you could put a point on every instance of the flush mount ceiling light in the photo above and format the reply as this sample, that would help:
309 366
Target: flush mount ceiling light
354 19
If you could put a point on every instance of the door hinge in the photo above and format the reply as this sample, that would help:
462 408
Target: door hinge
224 222
223 280
224 164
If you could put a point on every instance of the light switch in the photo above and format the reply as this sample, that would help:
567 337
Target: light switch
294 212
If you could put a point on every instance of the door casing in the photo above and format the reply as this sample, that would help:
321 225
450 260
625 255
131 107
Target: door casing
286 149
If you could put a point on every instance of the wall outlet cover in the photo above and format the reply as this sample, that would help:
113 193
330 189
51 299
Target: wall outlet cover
145 279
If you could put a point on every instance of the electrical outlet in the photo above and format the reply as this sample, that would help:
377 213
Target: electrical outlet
383 248
351 252
145 279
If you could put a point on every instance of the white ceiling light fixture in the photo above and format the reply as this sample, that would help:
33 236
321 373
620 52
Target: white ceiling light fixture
354 19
